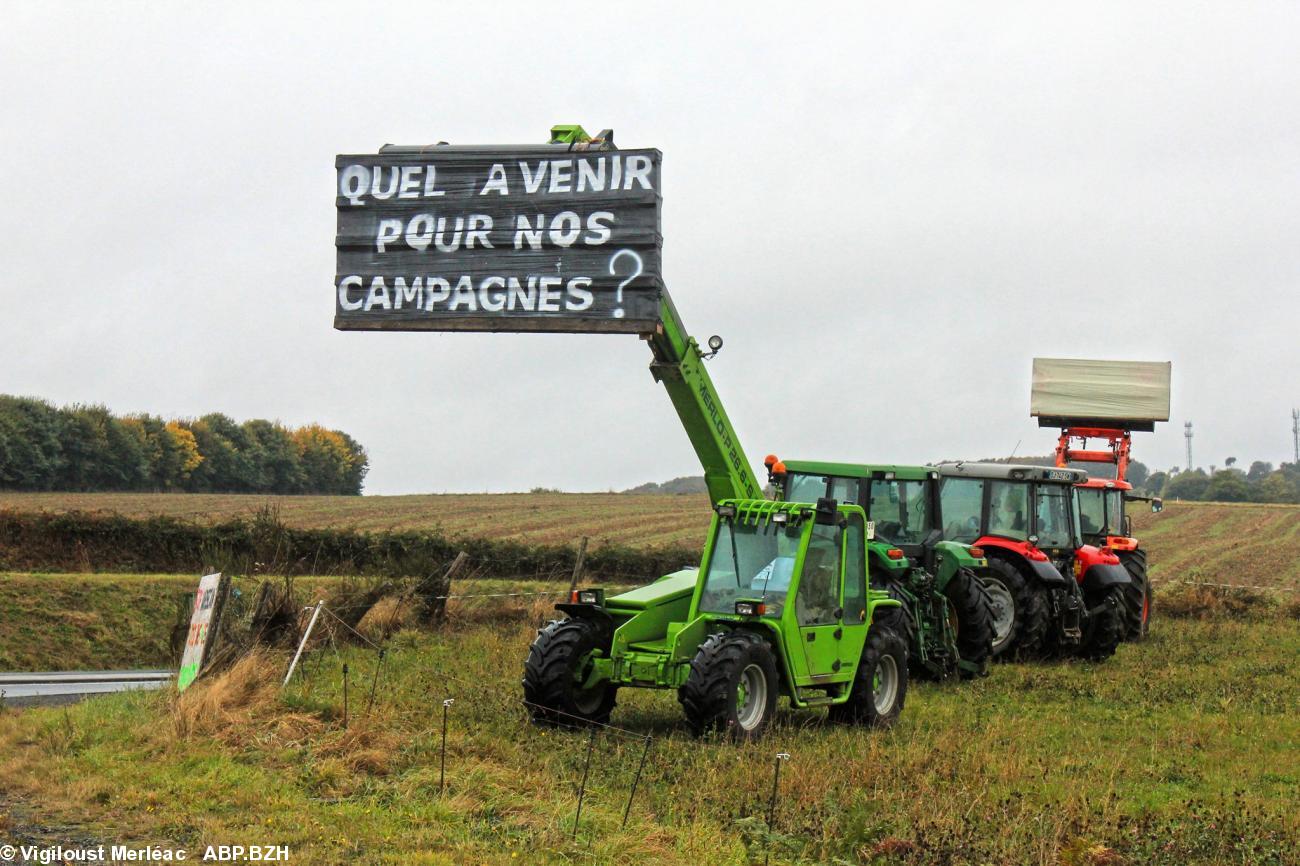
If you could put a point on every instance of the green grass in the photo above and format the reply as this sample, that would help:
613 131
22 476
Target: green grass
1180 750
89 621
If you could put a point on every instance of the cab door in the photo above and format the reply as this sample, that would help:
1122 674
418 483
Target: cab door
854 599
817 608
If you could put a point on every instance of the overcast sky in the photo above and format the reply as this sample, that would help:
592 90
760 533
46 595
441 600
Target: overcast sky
885 214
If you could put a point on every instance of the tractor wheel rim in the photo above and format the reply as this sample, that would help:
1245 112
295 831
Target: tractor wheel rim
751 697
1004 612
885 682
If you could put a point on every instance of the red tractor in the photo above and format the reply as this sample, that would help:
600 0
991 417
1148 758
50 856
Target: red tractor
1052 594
1103 518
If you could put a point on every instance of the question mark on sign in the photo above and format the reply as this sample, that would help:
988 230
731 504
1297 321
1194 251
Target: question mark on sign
640 266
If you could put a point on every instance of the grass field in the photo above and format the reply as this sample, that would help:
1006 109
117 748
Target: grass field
1182 750
1248 544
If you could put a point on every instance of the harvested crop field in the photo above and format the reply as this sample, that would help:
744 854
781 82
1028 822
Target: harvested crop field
535 518
1244 544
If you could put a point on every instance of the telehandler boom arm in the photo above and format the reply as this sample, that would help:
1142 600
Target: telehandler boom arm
679 365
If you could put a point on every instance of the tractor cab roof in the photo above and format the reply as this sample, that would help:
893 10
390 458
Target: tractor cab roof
860 470
1011 472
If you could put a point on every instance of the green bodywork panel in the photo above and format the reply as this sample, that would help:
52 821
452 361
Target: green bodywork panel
658 628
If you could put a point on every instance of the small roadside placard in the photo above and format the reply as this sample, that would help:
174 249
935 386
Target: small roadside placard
202 621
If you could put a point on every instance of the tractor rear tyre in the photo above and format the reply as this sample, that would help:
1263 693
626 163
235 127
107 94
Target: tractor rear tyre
558 663
970 605
880 684
1138 596
1019 610
732 686
1104 629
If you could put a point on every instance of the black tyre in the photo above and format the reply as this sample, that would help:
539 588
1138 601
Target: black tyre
558 663
732 686
973 611
1019 610
1104 628
901 619
880 683
1138 596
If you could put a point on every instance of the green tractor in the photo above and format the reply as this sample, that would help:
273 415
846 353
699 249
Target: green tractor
779 606
946 614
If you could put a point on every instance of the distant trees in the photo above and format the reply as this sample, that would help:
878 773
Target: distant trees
87 448
1227 485
1187 485
1262 483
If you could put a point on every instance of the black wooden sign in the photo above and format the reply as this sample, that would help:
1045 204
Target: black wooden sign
490 239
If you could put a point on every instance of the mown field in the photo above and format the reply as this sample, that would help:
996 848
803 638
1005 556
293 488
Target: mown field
535 518
1181 750
1247 544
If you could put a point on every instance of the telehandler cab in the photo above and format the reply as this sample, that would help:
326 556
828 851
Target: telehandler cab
779 606
1025 520
946 616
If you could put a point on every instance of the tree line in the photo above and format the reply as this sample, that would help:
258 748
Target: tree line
88 448
1260 483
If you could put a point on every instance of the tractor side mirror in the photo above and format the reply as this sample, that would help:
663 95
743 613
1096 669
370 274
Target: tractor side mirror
827 509
1157 506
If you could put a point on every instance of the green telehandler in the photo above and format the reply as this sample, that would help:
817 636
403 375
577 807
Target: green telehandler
946 615
779 606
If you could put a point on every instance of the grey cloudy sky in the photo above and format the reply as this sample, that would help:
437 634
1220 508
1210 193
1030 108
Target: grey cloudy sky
886 214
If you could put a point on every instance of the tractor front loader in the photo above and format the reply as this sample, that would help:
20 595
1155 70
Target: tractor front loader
778 607
1104 519
1107 401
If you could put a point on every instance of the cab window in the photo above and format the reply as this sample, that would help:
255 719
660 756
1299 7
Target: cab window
1009 510
1092 509
844 490
1115 511
805 488
855 571
819 583
901 511
961 500
1053 516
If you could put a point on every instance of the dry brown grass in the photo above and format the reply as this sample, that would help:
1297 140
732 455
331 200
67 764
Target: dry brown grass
389 615
1207 601
246 691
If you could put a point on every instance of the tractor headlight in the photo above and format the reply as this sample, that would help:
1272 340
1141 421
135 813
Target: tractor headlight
588 596
781 518
750 608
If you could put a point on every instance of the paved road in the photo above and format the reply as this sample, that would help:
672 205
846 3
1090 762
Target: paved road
47 688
